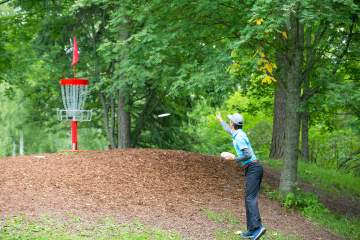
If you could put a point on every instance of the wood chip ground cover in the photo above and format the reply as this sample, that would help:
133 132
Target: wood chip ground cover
163 188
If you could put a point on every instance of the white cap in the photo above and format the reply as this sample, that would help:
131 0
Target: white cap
236 118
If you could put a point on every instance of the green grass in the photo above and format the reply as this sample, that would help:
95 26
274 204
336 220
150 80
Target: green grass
310 207
269 235
331 180
20 228
347 227
225 216
233 225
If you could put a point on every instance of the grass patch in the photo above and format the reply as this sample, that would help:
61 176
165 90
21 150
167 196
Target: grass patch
47 228
331 180
20 228
269 235
310 206
227 217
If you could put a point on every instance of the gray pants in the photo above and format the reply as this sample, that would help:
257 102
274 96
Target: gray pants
253 177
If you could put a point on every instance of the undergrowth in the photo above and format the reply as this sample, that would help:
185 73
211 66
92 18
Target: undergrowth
331 180
310 206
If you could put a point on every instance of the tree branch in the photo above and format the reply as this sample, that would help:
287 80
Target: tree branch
4 1
346 48
311 92
312 53
355 109
229 6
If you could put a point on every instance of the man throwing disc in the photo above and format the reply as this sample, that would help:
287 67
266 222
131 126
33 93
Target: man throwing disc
246 159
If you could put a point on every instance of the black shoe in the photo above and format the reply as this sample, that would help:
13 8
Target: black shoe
257 233
246 234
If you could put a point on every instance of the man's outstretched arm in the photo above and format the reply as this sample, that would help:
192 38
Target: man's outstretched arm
225 126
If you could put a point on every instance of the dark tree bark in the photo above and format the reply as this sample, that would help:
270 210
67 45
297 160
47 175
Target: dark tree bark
293 93
278 132
112 122
124 119
124 123
109 127
149 106
305 117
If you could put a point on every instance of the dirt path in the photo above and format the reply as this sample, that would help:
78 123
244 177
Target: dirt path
168 189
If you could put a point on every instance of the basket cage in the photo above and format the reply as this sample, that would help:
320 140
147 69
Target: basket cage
73 93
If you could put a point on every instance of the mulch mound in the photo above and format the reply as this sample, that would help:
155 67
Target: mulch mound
166 188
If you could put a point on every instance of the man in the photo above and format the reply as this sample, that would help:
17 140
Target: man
246 159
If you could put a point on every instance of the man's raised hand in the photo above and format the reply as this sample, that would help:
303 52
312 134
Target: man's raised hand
218 117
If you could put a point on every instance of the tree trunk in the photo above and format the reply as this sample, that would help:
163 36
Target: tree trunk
14 149
112 122
305 116
21 143
149 106
124 123
278 132
107 122
293 93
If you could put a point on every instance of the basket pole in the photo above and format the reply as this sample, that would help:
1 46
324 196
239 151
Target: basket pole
74 146
74 71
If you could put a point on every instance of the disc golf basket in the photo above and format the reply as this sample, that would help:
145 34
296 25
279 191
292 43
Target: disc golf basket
73 92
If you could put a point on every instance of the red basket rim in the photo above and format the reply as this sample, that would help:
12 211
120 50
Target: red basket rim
74 81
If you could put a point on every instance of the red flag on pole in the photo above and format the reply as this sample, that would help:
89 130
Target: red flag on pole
75 53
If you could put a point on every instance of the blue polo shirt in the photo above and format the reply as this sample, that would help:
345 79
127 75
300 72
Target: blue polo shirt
240 142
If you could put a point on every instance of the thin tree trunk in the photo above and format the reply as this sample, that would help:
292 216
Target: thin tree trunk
148 108
124 123
292 130
305 117
112 122
14 149
109 131
21 143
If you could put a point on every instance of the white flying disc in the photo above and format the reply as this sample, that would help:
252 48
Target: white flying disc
164 115
227 154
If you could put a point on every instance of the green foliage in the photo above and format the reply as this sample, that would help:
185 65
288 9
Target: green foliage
17 114
330 148
348 227
331 180
303 201
210 138
183 58
309 205
335 182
